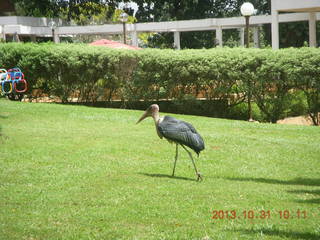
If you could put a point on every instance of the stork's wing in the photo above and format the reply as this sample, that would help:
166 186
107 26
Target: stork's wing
181 132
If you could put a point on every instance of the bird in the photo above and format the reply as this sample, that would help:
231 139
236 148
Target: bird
176 131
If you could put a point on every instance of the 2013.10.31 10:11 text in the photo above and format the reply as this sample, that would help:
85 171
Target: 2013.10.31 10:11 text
259 214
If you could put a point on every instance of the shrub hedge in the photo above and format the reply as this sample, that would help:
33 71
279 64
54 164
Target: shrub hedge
272 77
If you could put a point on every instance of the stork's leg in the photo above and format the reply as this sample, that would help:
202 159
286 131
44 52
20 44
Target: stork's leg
175 160
194 165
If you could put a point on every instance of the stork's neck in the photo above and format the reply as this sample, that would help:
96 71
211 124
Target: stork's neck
156 117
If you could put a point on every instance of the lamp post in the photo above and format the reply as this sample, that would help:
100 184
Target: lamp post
124 18
52 24
247 10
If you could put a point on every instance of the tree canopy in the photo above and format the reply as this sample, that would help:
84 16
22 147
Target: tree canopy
164 10
104 11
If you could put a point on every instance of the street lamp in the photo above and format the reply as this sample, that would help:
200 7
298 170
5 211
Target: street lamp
52 24
124 19
247 10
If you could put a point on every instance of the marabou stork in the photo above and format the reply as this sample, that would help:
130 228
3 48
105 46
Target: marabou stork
177 131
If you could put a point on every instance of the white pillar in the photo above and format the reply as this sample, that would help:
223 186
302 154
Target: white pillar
274 25
312 30
219 36
176 37
56 38
3 33
256 37
241 36
134 37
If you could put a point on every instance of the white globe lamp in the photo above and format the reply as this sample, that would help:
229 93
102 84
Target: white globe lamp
247 9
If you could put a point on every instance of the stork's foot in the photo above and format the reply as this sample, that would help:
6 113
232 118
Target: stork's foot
199 177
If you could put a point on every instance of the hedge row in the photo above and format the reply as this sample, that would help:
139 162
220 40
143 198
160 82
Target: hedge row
269 78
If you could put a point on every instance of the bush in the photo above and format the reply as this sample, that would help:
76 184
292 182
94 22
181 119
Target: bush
231 76
240 112
298 104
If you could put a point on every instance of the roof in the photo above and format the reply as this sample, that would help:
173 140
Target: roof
113 44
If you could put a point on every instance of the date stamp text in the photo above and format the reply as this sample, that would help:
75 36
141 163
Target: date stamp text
259 214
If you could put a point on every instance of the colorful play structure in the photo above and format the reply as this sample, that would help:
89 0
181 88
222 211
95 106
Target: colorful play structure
12 83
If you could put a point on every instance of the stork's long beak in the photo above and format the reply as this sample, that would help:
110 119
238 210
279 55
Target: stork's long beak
144 115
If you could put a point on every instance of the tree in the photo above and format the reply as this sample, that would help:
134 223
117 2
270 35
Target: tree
164 10
102 11
86 13
80 12
72 6
293 34
43 8
52 8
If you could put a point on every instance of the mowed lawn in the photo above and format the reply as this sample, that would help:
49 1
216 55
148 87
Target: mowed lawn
75 172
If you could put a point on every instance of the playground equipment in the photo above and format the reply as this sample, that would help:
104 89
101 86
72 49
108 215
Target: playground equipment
12 83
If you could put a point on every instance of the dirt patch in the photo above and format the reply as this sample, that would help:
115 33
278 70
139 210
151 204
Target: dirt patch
300 120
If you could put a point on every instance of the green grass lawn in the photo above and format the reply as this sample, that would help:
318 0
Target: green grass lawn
75 172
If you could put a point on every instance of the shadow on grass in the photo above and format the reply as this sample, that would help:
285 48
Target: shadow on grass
312 192
158 175
3 117
279 233
311 201
296 181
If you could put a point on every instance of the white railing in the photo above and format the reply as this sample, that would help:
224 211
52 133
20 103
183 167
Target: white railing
39 26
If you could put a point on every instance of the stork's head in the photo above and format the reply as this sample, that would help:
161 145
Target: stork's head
150 112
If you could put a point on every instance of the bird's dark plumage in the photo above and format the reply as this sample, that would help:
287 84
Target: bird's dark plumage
181 132
177 131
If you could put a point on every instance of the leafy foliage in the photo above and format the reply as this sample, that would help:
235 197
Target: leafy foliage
86 13
164 10
230 75
43 8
